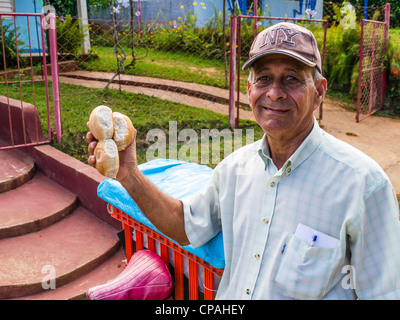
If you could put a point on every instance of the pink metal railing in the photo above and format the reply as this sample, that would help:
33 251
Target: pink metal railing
20 124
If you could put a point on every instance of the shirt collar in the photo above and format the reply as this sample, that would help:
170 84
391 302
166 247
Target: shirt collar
307 147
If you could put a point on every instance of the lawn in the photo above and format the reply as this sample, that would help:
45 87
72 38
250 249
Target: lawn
178 66
145 112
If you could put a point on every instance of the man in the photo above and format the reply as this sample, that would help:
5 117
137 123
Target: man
303 215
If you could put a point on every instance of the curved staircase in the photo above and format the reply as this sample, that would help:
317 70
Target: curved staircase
51 246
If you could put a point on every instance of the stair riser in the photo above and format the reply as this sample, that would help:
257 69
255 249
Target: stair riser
15 182
33 226
16 291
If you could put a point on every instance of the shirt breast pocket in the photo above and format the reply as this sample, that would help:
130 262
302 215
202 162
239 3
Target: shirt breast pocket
305 271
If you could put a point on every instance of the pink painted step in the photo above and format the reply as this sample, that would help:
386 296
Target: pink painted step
15 169
76 290
71 247
33 206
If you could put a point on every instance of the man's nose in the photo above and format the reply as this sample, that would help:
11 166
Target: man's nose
276 91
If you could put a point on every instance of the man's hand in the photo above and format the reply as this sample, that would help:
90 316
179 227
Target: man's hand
127 157
165 212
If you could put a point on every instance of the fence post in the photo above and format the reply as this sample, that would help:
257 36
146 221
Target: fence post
239 50
54 76
232 71
83 15
255 13
385 47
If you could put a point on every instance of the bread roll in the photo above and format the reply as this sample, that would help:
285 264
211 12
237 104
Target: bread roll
107 159
101 123
123 130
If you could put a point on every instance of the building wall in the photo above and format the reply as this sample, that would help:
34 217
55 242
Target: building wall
171 9
165 9
29 6
292 8
6 6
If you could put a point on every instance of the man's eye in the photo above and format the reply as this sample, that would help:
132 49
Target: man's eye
263 79
291 78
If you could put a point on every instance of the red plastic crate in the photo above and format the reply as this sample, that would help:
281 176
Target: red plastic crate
179 253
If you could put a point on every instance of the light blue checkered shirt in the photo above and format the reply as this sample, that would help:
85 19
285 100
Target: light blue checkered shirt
326 185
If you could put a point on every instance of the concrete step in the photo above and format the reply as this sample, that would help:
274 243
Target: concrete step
16 169
33 206
66 250
76 290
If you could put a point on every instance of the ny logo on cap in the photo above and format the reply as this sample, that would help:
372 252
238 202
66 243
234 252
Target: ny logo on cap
287 35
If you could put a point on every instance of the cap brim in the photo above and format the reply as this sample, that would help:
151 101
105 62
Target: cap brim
249 62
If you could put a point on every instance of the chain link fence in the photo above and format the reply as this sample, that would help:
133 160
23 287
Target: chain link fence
371 83
165 74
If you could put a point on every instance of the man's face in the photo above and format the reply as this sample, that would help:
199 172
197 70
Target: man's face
283 96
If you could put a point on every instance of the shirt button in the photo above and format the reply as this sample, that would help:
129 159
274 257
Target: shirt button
248 291
288 169
265 220
257 256
272 184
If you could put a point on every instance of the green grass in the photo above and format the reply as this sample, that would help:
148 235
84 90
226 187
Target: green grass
166 65
394 39
145 112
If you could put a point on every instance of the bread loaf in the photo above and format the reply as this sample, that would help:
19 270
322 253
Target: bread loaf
114 132
101 123
107 158
123 130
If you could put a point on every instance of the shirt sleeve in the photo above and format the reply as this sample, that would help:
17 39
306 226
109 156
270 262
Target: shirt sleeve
375 249
202 214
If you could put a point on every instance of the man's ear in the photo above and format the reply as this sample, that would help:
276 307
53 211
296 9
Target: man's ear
249 87
321 87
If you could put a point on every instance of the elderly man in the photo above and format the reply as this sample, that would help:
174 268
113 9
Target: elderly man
303 215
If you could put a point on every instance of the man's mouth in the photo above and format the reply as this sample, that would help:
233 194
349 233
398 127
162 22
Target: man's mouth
276 110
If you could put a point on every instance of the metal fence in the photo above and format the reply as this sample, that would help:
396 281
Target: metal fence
26 76
142 55
372 77
155 61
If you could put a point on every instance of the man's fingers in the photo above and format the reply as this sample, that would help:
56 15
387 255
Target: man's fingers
91 147
92 160
89 137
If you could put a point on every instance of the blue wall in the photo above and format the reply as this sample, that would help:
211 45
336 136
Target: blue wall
29 6
171 9
294 9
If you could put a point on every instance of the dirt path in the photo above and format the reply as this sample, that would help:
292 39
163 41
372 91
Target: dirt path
376 136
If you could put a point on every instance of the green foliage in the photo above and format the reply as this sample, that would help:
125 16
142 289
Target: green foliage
393 88
65 7
10 48
69 7
342 51
394 9
342 48
182 34
70 35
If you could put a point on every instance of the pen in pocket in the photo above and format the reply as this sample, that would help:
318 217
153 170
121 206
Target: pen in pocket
312 241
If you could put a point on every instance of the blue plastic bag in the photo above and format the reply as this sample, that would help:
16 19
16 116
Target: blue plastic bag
178 179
